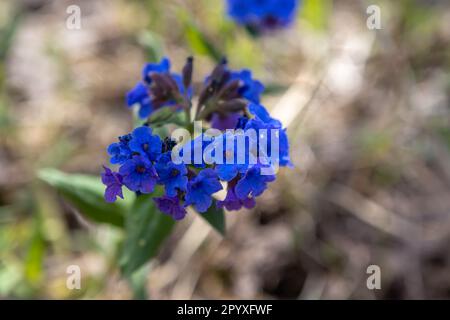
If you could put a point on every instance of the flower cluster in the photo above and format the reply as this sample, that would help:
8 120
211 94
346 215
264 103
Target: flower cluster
227 100
261 15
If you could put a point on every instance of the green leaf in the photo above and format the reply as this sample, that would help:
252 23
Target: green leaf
165 116
85 193
275 88
35 257
216 218
152 44
8 32
146 229
137 282
198 41
317 13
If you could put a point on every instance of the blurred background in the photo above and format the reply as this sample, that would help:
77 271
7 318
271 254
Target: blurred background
367 113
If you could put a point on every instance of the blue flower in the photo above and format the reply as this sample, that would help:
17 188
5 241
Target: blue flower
249 88
253 183
232 202
143 142
263 120
262 114
171 206
140 95
193 150
119 151
113 183
171 175
139 174
231 163
242 122
150 96
149 68
201 188
263 14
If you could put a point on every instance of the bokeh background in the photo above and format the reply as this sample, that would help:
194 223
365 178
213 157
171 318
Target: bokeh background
367 113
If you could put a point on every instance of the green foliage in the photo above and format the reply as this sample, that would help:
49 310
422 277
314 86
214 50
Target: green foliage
317 13
146 229
165 116
7 33
152 45
198 41
86 194
216 218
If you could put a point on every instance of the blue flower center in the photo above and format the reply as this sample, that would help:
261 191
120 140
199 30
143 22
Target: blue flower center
140 169
174 172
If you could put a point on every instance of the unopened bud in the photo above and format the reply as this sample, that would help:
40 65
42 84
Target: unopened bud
187 72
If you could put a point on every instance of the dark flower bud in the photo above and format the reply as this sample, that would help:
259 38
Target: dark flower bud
219 76
234 105
163 86
206 93
230 90
168 144
187 72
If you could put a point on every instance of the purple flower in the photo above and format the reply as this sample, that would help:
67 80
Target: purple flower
171 175
201 188
113 183
232 202
146 144
253 183
171 206
139 174
223 122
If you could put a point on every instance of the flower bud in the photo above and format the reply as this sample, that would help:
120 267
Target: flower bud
187 72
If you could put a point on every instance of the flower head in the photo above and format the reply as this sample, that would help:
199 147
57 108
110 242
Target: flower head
171 175
113 183
158 88
140 95
249 88
261 15
139 174
143 142
253 183
161 67
268 126
120 151
232 161
201 188
171 206
192 172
